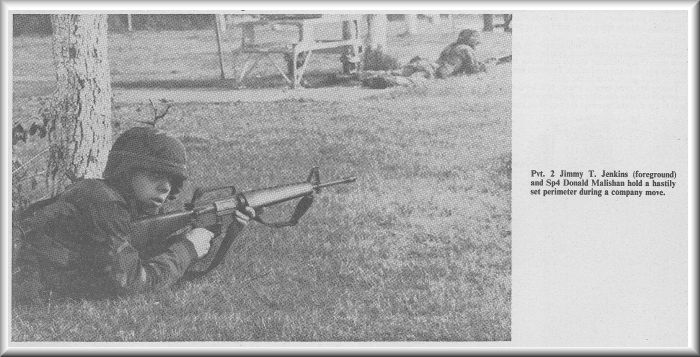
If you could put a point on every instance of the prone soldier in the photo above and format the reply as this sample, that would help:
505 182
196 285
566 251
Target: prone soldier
459 57
79 244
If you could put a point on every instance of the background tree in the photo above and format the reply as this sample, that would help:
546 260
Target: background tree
488 22
375 59
411 20
78 117
376 32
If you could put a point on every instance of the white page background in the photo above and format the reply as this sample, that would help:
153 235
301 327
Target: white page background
600 90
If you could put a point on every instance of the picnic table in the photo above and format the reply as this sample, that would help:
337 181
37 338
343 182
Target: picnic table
296 49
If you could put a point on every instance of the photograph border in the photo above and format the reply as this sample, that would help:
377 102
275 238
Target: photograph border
511 347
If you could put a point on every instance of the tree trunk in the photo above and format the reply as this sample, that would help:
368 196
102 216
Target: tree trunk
347 29
488 22
507 18
79 115
376 32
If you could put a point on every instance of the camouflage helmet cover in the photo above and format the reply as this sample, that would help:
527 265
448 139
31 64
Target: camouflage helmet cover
150 149
466 35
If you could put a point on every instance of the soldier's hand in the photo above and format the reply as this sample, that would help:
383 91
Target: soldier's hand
244 217
201 238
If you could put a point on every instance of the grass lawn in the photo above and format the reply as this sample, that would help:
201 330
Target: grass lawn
418 249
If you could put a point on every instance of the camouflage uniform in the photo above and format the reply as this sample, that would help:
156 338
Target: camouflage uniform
80 244
419 67
459 57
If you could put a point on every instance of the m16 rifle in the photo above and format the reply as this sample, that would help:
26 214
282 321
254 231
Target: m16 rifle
219 217
499 60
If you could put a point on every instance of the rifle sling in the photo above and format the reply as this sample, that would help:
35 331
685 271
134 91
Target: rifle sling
301 208
219 255
233 230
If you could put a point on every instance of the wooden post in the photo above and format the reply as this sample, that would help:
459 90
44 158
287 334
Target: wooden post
350 56
221 22
248 35
218 46
376 32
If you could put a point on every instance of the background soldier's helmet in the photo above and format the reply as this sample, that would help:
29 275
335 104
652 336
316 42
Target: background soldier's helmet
149 149
469 37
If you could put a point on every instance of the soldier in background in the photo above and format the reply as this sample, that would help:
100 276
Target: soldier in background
419 67
459 57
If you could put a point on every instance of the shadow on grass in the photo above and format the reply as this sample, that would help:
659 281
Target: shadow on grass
25 89
207 83
311 80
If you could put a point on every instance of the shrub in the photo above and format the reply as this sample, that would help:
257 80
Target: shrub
377 60
31 24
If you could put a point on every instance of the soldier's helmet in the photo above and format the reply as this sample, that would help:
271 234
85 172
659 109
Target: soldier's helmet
149 149
469 37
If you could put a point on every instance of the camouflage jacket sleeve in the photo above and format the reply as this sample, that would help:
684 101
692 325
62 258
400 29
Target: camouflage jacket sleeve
458 58
468 59
109 246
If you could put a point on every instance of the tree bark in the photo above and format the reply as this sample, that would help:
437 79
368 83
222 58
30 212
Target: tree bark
347 30
78 117
376 28
488 23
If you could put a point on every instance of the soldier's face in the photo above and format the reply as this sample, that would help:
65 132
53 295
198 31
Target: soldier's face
151 189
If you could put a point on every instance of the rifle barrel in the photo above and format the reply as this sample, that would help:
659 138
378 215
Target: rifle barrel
337 182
